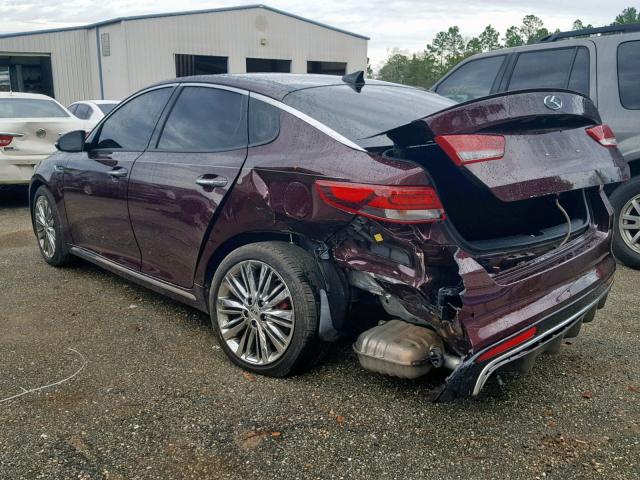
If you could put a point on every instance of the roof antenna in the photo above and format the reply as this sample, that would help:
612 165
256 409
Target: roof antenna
355 80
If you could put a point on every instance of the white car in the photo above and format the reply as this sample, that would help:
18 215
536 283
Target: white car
30 125
92 110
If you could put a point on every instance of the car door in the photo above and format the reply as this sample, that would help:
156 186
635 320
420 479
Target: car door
95 181
179 182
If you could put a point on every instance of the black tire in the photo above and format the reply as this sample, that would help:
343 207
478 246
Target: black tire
60 255
620 198
299 272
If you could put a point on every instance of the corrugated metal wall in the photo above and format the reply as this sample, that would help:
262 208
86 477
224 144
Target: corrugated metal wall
142 51
70 60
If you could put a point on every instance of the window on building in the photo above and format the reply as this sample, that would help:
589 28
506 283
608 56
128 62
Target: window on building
130 127
258 65
187 65
28 73
206 119
472 80
327 68
551 69
629 74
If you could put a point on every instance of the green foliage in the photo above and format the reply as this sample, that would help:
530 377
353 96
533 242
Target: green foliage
628 15
449 47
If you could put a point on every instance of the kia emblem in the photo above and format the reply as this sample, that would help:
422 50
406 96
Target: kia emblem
553 102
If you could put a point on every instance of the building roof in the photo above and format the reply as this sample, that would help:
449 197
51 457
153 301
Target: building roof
178 14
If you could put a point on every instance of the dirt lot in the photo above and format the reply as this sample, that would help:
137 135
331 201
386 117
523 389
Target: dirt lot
158 399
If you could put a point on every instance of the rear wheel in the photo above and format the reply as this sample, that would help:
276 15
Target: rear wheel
46 220
264 303
626 241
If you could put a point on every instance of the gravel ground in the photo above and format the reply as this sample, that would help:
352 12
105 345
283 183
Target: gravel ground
158 399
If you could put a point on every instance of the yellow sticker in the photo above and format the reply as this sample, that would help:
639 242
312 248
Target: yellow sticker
377 237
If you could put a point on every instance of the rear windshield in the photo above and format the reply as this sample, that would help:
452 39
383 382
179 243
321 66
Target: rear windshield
361 116
106 107
30 108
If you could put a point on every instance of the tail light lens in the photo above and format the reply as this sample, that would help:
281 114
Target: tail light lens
5 140
507 344
466 149
397 204
603 135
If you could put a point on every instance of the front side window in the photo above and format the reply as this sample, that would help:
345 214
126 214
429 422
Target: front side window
131 126
206 119
557 68
106 107
30 108
472 80
629 74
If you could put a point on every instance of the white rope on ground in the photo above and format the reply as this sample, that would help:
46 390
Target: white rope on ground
31 390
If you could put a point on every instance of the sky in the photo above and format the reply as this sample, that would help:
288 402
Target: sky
405 24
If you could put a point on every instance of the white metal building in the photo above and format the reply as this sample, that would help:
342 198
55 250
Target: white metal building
114 58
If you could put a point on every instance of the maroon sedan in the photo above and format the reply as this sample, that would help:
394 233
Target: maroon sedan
278 202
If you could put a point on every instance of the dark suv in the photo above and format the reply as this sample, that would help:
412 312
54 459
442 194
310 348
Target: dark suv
601 63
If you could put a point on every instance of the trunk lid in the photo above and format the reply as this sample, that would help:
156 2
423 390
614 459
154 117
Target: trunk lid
546 149
36 136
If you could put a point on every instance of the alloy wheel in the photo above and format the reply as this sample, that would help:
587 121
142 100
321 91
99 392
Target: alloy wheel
255 312
630 223
45 227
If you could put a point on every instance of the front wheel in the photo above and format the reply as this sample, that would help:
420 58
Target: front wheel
264 304
626 240
48 227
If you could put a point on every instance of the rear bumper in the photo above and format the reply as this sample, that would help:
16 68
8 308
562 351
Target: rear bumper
470 376
18 170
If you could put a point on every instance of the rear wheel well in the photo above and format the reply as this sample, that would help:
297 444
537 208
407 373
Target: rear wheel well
245 239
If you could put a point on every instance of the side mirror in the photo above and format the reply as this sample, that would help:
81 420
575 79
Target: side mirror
72 141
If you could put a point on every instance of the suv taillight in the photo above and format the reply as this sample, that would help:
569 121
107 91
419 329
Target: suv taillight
389 203
466 149
603 135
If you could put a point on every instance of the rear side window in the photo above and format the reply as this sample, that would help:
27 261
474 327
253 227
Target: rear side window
130 127
206 119
264 122
106 107
557 68
629 74
30 108
83 111
579 79
472 80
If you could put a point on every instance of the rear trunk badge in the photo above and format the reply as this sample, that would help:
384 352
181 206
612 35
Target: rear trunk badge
553 102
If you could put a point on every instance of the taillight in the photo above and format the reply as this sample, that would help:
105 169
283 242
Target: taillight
465 149
5 140
603 135
397 204
507 344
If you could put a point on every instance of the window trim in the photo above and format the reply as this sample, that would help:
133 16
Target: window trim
162 122
97 131
618 73
495 86
575 48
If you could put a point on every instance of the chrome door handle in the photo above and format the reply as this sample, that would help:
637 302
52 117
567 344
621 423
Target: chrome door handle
118 172
211 182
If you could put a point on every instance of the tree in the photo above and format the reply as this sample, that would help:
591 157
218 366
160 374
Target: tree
489 39
395 67
512 37
532 29
628 15
473 46
578 25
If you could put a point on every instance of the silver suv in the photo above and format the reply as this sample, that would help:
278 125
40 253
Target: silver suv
602 63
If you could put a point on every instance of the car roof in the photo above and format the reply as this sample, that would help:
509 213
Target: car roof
275 85
25 95
97 102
